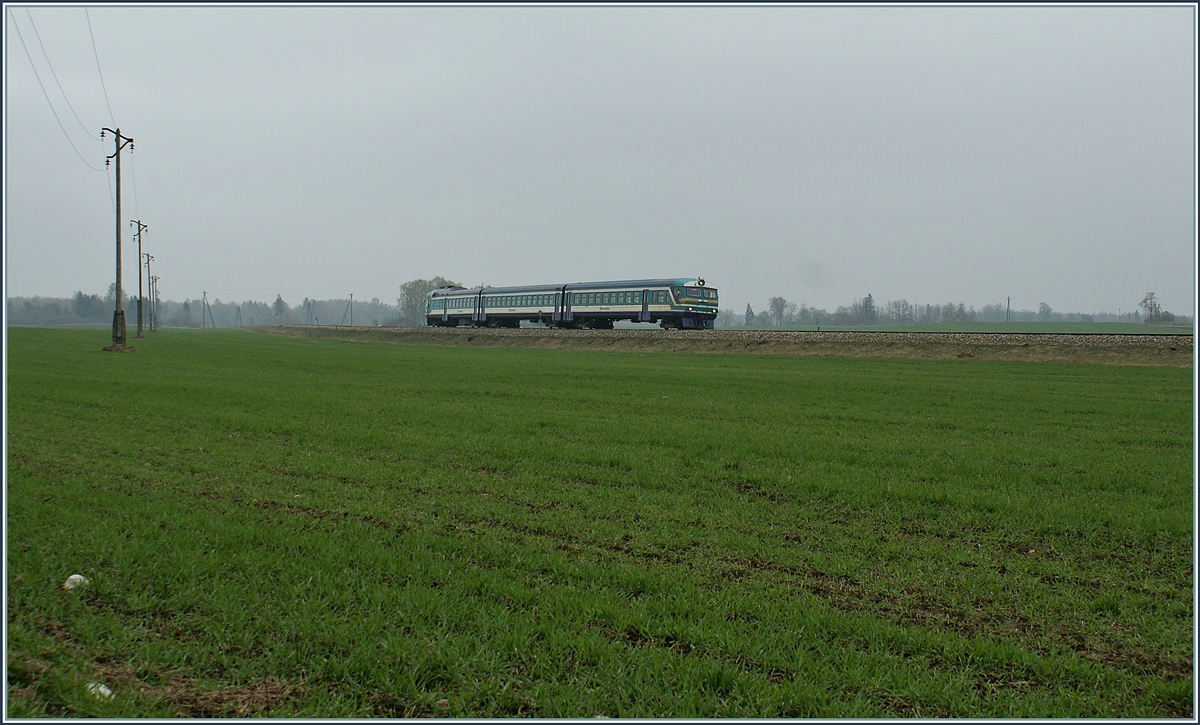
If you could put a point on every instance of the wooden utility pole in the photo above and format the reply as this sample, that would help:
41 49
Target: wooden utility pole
153 300
118 336
140 228
206 308
149 288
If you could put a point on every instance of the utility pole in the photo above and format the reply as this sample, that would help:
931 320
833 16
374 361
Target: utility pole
352 309
1007 304
150 312
239 316
140 228
120 142
153 301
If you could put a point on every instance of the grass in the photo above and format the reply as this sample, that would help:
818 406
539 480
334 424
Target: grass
316 528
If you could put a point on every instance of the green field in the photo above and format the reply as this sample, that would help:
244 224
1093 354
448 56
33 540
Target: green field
294 527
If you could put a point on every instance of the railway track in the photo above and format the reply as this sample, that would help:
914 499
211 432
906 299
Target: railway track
803 336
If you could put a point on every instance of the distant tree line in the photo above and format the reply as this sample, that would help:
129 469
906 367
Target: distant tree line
409 310
779 312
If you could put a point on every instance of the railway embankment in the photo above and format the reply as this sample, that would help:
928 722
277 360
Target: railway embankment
1153 350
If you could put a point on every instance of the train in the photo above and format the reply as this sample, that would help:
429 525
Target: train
682 303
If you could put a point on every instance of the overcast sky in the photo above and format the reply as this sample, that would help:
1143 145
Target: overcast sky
936 154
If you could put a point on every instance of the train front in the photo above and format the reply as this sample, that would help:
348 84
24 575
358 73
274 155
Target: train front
698 303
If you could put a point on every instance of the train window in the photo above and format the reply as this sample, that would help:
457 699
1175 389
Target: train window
710 293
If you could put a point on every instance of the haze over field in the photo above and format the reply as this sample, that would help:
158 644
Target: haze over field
937 154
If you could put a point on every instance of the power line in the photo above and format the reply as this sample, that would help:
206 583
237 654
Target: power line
47 95
133 168
97 55
51 65
111 199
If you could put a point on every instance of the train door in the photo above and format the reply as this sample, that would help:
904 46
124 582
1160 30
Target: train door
567 314
445 310
644 315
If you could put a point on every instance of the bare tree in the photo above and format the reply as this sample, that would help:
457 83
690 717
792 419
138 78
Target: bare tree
1150 308
726 318
412 299
776 306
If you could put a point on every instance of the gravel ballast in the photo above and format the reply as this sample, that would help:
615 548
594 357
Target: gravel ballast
1155 350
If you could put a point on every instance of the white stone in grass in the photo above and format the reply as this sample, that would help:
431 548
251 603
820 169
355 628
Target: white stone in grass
99 691
75 581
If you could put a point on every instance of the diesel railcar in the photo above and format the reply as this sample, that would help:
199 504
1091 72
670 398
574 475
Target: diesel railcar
685 303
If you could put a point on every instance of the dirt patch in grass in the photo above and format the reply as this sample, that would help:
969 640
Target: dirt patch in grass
192 700
1148 350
